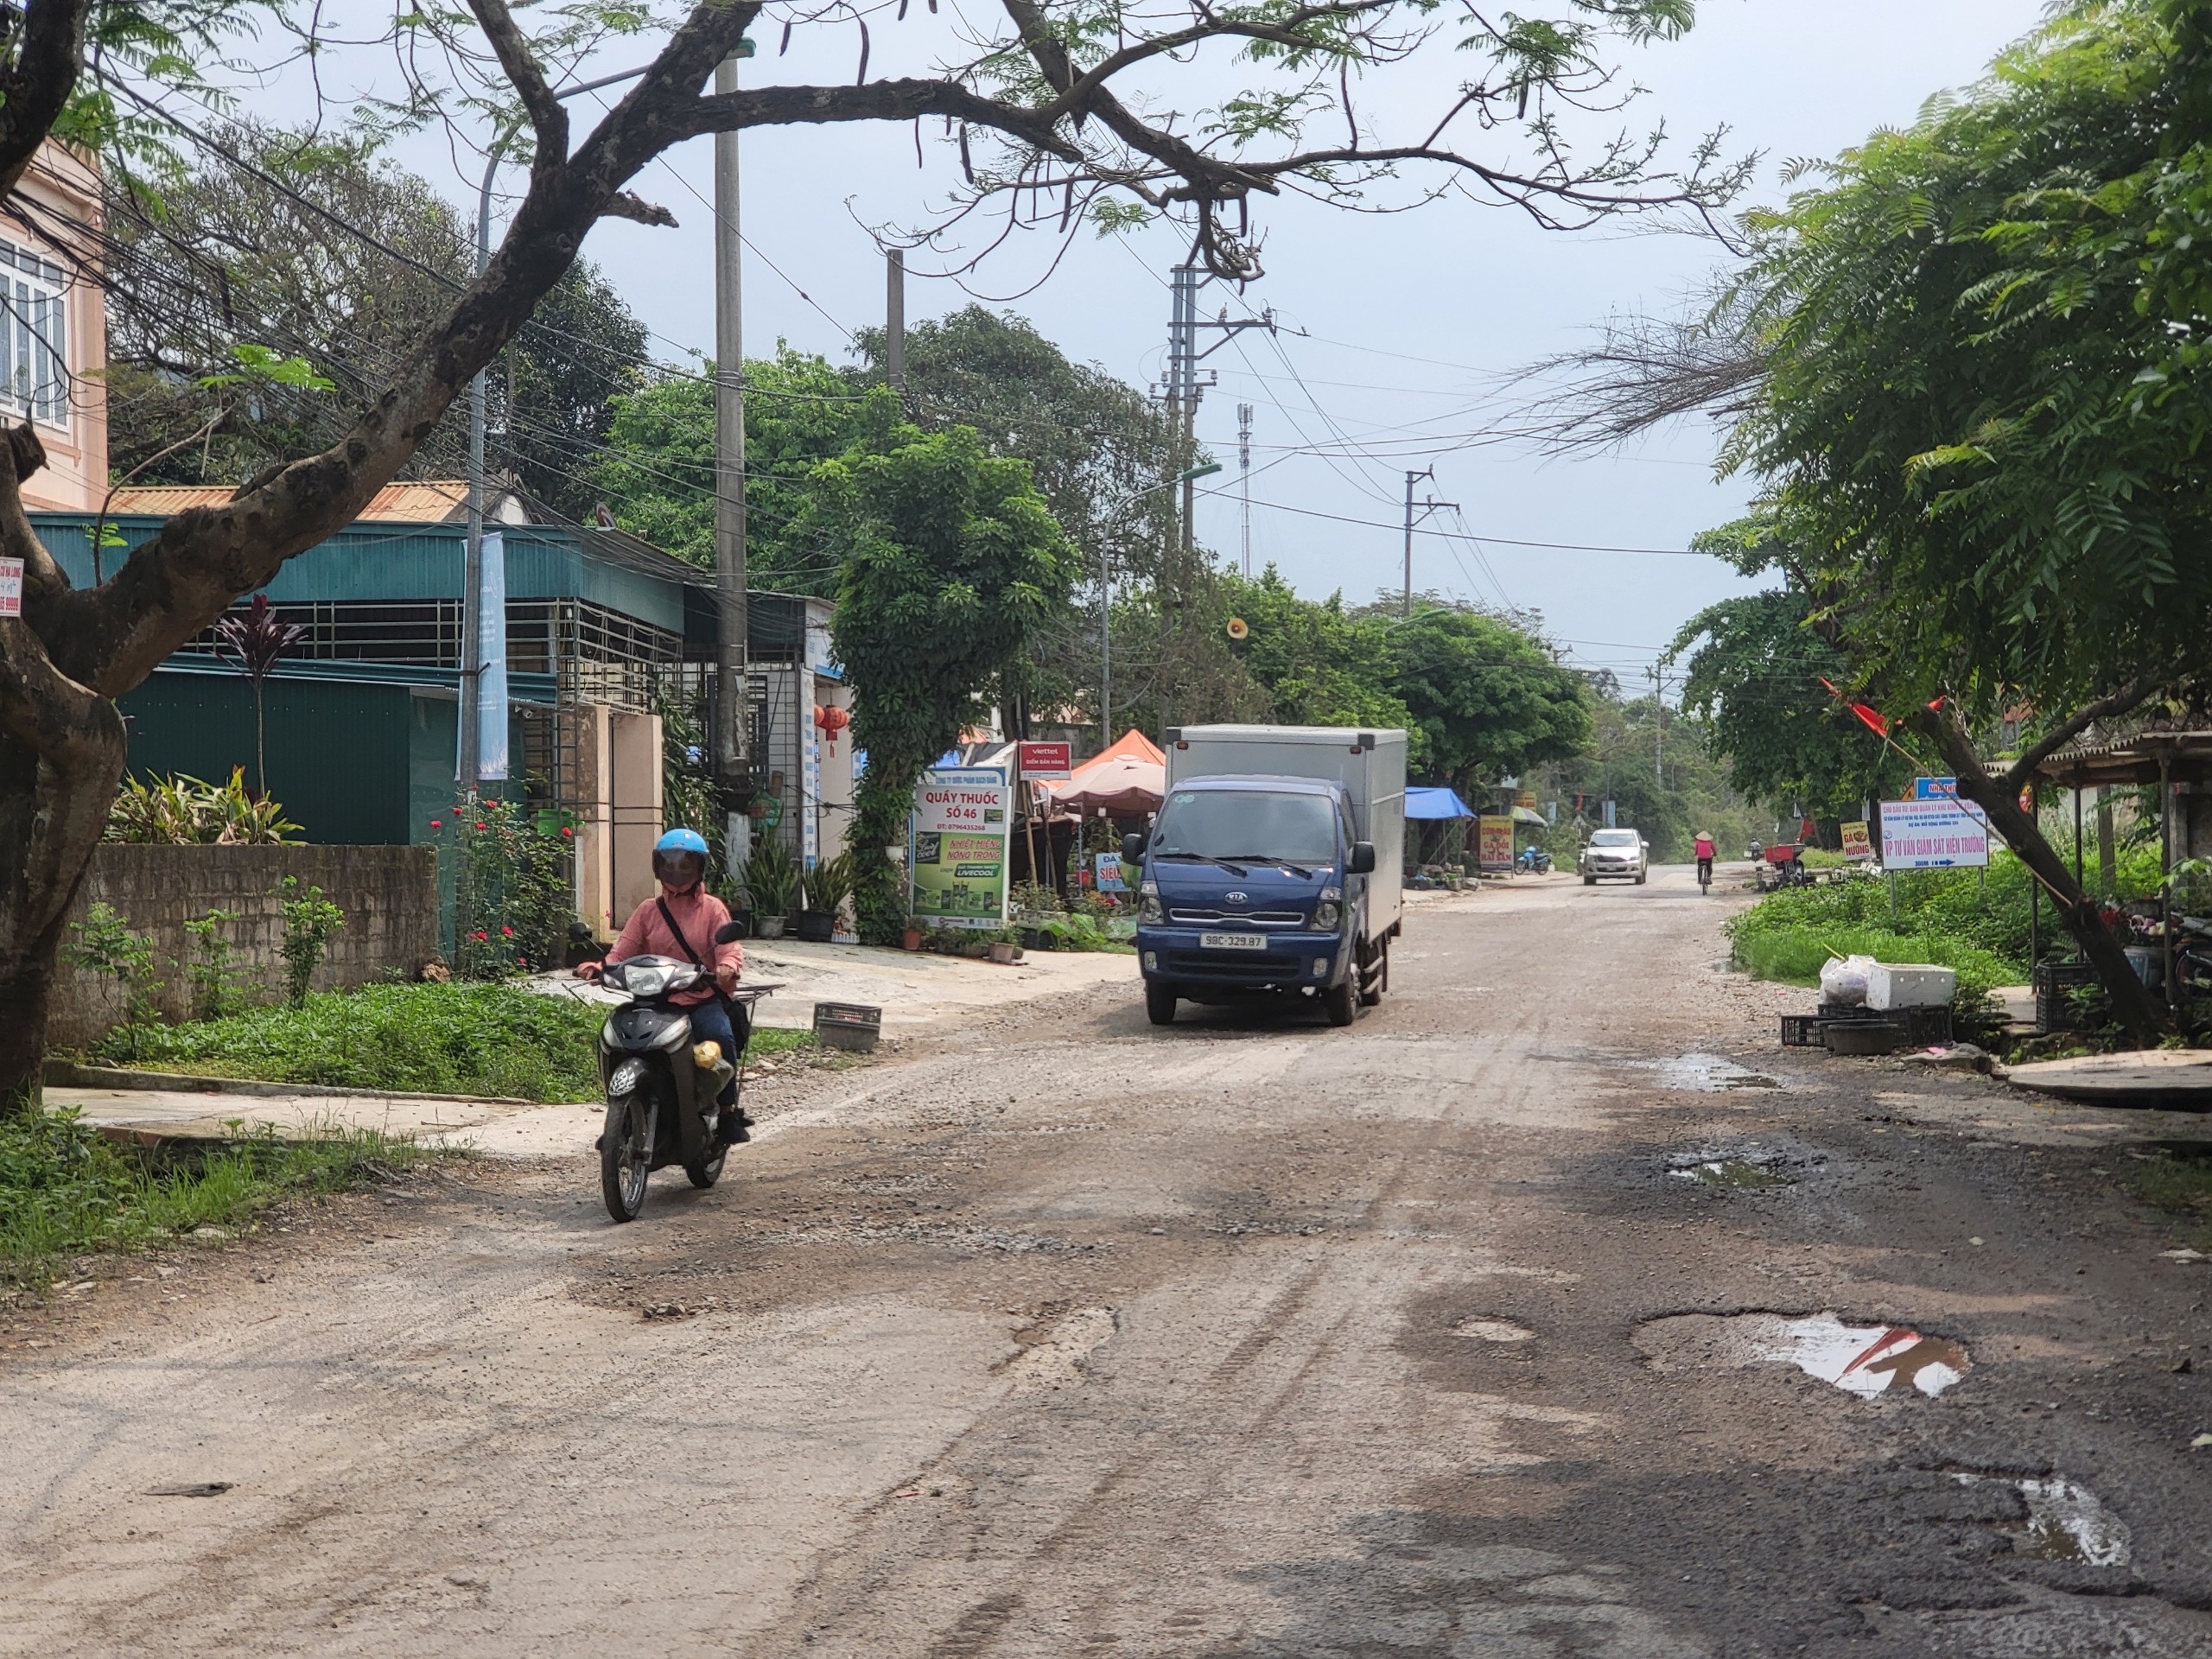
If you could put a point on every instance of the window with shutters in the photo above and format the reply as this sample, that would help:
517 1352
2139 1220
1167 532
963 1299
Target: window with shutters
34 337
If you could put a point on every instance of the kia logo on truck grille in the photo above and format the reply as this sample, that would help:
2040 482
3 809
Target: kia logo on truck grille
1235 897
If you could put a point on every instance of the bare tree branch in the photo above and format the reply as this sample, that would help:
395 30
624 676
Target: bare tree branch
2128 696
547 115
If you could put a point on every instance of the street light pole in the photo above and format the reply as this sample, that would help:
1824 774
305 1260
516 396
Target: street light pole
731 767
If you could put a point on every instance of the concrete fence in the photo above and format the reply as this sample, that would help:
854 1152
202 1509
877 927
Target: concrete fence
389 895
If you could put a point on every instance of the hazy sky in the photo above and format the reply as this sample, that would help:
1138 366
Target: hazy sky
1407 321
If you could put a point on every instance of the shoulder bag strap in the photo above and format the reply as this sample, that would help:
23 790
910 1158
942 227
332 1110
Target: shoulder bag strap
669 915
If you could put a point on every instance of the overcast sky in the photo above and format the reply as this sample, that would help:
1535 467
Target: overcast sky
1407 322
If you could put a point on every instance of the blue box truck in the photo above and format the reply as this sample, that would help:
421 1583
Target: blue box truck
1274 868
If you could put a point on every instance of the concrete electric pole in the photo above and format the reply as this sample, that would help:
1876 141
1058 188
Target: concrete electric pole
1182 388
732 767
894 320
1244 477
1427 507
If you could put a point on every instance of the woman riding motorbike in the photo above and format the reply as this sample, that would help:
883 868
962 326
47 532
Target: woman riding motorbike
685 915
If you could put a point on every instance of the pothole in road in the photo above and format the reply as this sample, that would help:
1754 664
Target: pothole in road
1707 1074
1486 1330
2066 1521
1055 1360
1864 1360
1747 1173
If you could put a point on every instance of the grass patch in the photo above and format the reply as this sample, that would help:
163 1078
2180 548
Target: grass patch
1794 955
64 1192
438 1039
433 1040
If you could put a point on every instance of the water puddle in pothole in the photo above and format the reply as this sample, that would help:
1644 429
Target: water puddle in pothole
1493 1330
1707 1074
1740 1172
1864 1360
2066 1522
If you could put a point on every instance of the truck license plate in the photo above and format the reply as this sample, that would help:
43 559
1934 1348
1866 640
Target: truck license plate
1233 941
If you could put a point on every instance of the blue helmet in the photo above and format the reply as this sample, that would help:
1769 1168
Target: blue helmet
682 841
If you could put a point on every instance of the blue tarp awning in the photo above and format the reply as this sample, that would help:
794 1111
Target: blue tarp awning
1435 803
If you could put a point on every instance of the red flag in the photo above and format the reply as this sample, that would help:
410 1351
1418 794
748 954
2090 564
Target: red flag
1875 723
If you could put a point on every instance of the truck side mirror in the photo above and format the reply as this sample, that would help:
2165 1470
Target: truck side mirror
1133 848
1363 859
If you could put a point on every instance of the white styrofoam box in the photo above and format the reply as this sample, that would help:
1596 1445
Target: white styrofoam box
1910 985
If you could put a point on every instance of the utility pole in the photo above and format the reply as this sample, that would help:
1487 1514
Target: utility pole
894 320
1427 506
1658 730
733 769
1244 477
1182 388
470 766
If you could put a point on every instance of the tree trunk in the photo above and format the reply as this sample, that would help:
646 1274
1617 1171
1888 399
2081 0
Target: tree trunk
51 817
2131 1001
2107 859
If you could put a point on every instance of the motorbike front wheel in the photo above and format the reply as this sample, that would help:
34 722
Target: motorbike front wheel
625 1154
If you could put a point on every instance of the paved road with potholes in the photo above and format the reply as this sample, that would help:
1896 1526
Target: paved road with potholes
1240 1338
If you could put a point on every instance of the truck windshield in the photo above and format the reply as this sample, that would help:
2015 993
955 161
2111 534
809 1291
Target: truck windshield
1255 824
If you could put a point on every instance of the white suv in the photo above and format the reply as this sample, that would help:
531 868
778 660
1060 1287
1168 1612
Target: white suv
1620 853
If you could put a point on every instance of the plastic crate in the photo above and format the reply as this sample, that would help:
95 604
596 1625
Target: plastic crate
1921 1027
2052 981
852 1025
1801 1031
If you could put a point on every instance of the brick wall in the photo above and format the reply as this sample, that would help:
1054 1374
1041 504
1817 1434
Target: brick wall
389 895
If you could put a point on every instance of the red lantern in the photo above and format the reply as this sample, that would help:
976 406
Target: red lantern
832 719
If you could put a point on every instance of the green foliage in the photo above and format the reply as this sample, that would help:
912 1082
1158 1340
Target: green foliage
657 473
1316 663
1795 955
488 1039
103 943
310 920
1756 668
65 1191
952 566
1489 700
213 971
184 810
770 876
832 881
513 898
1622 765
1985 403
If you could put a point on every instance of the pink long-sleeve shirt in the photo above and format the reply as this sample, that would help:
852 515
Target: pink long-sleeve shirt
698 912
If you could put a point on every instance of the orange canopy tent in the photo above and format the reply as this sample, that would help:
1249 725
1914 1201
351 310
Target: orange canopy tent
1129 777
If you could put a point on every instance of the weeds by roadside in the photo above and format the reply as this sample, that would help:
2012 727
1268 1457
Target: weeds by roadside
2177 1179
65 1191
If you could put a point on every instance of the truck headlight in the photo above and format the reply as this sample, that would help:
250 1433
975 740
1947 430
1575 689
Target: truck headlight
1148 905
1326 914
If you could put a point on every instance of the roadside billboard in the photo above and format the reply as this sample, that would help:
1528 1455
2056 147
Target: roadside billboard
1109 872
1045 762
1858 841
956 852
1494 843
1940 833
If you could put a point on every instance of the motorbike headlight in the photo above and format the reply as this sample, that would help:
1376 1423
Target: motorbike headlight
641 981
1148 905
625 1077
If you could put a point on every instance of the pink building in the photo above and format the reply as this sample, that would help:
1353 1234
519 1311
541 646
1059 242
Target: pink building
53 329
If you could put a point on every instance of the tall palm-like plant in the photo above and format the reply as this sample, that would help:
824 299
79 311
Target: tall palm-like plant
257 639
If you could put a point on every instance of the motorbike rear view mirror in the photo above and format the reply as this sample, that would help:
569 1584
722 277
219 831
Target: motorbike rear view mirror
1133 847
1363 859
729 932
578 932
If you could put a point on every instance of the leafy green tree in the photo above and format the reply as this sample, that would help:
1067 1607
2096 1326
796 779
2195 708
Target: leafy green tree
950 563
1489 700
657 472
1317 665
1985 405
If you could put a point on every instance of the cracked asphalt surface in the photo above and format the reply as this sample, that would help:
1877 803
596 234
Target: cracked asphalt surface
1248 1337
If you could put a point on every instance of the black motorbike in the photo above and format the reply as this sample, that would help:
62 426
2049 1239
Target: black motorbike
662 1104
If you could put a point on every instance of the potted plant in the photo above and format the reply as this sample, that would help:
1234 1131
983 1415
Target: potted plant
828 884
771 880
912 938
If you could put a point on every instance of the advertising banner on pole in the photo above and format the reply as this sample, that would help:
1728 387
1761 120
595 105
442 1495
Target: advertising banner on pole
1109 872
1940 833
11 587
956 852
1045 762
1494 843
1857 842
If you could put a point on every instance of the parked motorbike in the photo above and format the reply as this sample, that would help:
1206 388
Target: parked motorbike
661 1087
1534 860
